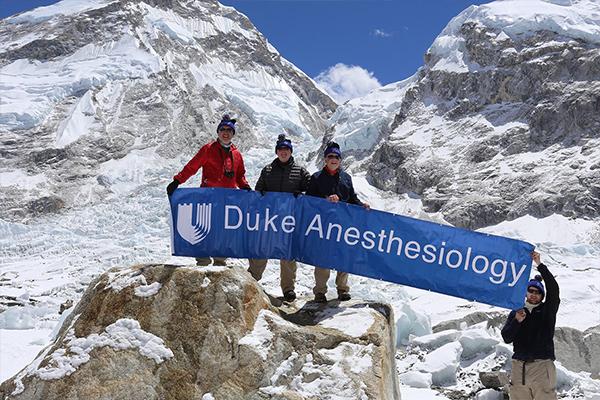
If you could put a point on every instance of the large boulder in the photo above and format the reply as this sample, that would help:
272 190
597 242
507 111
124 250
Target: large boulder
579 351
167 332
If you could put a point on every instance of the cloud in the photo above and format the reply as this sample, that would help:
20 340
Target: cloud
381 33
344 82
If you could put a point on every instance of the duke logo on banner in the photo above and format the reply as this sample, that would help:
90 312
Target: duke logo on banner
192 226
234 223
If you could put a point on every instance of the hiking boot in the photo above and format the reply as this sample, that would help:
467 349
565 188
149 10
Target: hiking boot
320 298
344 296
289 296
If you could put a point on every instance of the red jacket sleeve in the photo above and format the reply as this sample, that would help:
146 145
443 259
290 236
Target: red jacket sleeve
192 166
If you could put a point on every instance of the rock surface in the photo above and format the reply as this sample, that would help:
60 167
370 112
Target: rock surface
494 379
166 332
579 351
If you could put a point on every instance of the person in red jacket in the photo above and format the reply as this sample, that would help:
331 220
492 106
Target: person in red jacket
222 166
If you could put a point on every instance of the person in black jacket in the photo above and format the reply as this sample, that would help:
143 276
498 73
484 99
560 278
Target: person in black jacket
335 185
531 330
281 175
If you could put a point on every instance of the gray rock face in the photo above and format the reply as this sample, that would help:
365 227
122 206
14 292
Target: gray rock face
515 131
494 379
165 332
494 320
578 351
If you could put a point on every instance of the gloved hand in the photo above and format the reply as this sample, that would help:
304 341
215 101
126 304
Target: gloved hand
172 186
297 193
263 192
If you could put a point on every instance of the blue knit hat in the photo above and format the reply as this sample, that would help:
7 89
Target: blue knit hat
226 121
537 283
333 148
283 142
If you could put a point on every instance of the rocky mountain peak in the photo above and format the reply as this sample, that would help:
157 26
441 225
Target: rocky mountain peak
88 83
503 118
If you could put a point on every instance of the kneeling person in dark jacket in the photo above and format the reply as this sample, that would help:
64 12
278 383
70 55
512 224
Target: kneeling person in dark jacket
335 185
282 175
531 330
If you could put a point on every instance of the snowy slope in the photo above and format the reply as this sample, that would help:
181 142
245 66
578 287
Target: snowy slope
135 76
579 19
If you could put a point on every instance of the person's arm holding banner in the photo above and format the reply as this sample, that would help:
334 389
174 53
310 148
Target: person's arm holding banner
552 297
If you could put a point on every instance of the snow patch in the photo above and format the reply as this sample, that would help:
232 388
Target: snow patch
261 337
476 341
442 364
435 340
147 290
351 321
489 394
31 89
78 122
416 379
64 7
25 317
257 90
20 179
119 280
329 380
123 334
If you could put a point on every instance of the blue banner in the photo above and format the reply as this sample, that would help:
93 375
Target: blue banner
235 223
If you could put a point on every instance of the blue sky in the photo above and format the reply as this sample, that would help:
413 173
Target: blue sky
386 39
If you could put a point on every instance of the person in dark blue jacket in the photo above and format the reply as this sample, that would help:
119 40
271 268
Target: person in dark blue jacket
531 330
334 185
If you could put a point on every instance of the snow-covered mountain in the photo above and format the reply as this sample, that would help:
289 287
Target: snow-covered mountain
86 83
502 121
103 101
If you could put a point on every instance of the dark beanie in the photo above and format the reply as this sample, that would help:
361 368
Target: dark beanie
282 143
226 121
333 148
537 283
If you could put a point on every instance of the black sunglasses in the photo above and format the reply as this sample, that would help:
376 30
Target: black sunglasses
225 130
533 291
333 156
